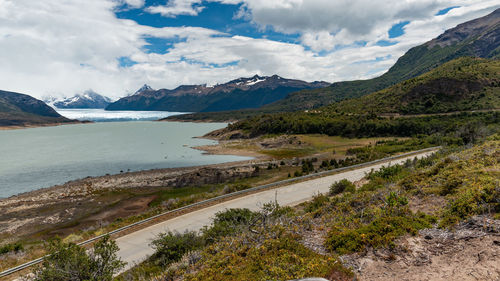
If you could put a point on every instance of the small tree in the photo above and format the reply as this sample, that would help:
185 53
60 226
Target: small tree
342 186
171 246
73 262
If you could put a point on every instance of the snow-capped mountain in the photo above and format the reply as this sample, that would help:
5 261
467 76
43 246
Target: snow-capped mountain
252 92
144 88
89 99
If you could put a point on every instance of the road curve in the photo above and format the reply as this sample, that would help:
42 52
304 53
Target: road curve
134 247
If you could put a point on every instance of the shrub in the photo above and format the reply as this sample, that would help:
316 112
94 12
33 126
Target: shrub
171 246
11 247
72 262
228 222
380 232
386 172
342 186
318 201
279 257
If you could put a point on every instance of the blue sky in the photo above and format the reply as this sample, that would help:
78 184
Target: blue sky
113 47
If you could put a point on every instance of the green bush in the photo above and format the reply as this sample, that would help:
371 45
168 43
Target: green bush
317 202
11 247
386 172
342 186
227 223
280 256
170 247
72 262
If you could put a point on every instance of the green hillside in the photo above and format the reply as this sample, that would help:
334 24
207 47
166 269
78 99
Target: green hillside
459 85
476 38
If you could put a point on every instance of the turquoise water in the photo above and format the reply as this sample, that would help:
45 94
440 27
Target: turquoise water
41 157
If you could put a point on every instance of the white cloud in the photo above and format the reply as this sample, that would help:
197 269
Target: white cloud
62 47
177 7
133 3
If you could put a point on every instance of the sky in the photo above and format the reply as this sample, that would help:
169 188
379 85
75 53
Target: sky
64 47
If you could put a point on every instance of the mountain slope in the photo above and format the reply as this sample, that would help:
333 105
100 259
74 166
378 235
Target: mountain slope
459 85
241 93
21 110
89 99
477 38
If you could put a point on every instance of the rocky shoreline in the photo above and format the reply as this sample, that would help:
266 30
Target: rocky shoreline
33 211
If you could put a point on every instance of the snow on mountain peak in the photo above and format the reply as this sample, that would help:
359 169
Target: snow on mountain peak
145 87
255 80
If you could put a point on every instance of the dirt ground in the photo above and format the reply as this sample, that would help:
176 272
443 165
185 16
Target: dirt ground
470 252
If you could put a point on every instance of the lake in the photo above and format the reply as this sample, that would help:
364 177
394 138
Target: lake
41 157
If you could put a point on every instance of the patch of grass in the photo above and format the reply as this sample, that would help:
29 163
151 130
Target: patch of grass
175 193
380 232
287 152
279 258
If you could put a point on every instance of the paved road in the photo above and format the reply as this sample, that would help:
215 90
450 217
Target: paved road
135 248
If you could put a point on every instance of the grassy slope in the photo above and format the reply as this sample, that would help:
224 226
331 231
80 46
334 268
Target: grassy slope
459 85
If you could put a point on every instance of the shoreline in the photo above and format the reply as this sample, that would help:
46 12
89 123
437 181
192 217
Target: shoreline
31 212
31 126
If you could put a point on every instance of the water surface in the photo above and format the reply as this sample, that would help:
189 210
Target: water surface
41 157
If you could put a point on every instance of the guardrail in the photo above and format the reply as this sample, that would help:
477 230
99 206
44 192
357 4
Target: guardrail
39 260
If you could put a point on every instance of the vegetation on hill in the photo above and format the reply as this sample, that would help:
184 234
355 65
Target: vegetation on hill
337 124
460 85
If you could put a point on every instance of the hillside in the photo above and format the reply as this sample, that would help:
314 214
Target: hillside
241 93
476 38
423 219
89 99
462 84
23 110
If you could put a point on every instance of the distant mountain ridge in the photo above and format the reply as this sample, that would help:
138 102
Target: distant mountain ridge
478 38
20 110
89 99
240 93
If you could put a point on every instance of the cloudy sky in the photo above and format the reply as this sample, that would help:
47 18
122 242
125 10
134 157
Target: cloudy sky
64 47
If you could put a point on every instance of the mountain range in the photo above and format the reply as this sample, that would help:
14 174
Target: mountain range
89 99
241 93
